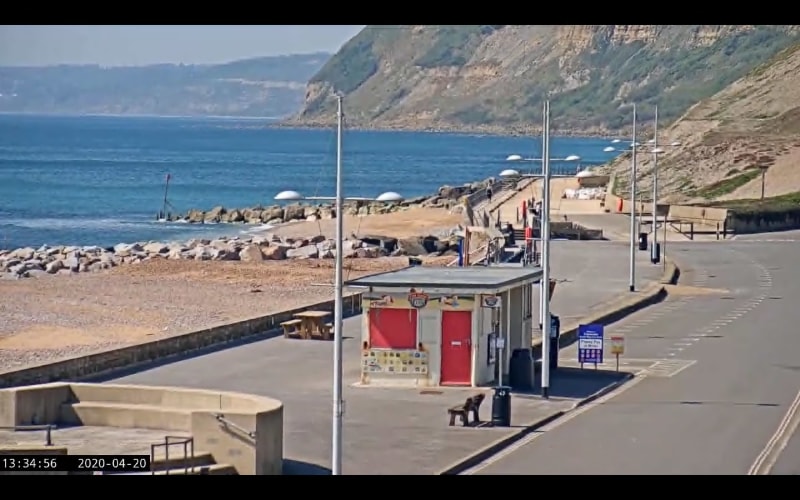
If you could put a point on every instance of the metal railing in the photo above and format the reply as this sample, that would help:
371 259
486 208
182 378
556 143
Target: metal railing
227 423
188 453
48 428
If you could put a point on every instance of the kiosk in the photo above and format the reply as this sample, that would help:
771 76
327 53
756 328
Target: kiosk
432 326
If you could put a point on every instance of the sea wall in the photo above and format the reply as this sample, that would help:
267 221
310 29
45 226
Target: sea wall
764 221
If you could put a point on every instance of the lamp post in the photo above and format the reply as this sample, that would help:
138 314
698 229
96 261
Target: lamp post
655 151
544 294
338 284
632 264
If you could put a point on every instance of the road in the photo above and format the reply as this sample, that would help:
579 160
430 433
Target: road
722 395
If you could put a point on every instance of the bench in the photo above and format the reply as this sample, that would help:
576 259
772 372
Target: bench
471 405
292 327
323 331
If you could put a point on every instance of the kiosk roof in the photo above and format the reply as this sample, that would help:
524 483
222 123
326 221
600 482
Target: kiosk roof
475 277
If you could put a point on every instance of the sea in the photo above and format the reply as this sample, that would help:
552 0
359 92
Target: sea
100 180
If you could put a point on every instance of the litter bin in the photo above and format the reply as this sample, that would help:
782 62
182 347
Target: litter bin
501 407
520 370
655 255
555 333
643 242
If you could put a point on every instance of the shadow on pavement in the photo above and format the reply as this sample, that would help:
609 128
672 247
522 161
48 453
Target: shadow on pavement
298 468
574 383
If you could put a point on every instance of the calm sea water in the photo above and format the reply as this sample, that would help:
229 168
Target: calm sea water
100 180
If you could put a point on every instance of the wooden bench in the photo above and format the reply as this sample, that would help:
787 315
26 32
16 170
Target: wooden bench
327 330
471 405
292 327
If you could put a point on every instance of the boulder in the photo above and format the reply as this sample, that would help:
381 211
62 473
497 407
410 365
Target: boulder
156 248
294 212
251 253
274 252
307 252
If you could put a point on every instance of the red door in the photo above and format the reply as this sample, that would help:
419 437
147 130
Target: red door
456 348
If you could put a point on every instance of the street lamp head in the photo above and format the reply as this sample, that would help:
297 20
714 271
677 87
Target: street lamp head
675 144
509 172
514 158
651 141
288 196
657 151
609 149
572 158
390 197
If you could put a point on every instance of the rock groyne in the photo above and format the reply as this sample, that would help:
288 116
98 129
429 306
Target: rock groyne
446 197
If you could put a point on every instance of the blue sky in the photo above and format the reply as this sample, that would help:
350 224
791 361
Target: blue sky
137 45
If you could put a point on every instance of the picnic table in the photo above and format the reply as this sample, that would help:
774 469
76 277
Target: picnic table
313 324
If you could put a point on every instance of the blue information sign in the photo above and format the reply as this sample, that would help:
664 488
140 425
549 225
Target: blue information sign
590 344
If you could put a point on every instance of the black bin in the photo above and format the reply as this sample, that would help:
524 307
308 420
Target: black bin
520 370
655 255
501 407
414 261
643 242
555 334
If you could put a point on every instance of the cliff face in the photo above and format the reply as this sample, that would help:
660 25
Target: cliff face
753 123
496 76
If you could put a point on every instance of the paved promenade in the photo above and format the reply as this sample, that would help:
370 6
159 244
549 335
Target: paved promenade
389 430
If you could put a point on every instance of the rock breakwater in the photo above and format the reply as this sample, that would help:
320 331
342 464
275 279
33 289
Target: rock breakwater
446 197
69 260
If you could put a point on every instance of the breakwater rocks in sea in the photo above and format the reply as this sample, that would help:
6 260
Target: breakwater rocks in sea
29 262
447 197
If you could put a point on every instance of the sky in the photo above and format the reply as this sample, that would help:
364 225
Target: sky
139 45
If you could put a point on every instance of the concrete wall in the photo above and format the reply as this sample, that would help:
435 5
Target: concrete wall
147 352
766 221
168 408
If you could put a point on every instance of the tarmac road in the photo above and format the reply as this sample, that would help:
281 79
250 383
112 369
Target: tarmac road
727 402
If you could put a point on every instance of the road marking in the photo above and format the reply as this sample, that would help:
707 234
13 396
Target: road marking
571 414
772 451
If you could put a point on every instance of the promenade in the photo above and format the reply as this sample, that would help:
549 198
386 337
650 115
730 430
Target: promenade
398 431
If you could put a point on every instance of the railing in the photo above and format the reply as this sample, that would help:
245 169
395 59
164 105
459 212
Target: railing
188 453
47 427
227 423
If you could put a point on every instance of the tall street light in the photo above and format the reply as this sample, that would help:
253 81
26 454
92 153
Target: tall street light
656 150
545 230
634 144
544 226
338 309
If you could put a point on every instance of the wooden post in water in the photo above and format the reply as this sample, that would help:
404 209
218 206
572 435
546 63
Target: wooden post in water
166 192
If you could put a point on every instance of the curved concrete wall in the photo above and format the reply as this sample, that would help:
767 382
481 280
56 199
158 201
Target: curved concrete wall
253 444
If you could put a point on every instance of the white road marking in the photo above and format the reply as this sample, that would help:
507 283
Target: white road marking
772 451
